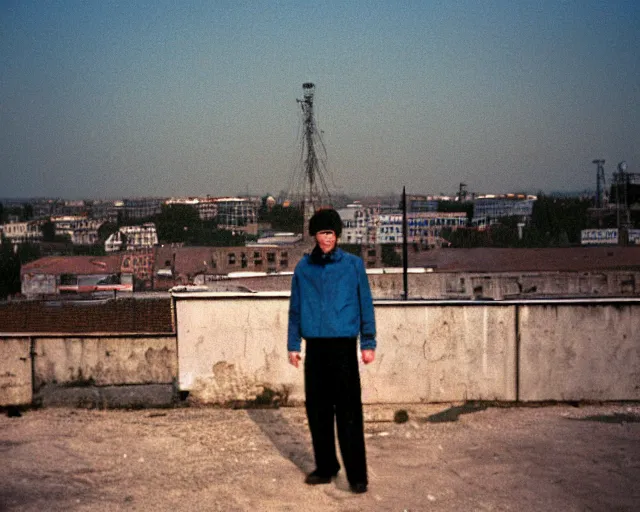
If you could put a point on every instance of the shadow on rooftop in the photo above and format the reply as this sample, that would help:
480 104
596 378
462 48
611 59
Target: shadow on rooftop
453 413
287 438
616 417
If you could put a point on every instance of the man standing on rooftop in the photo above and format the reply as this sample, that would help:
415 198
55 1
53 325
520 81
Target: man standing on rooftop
330 307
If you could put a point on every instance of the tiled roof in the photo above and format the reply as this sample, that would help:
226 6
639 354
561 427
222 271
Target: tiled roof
79 265
126 315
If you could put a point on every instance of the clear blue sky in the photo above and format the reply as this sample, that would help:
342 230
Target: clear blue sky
108 99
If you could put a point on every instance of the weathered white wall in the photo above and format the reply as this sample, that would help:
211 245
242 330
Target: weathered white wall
471 285
231 347
105 361
234 346
586 351
440 353
15 371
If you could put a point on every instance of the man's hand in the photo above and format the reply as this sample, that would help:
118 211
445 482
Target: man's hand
368 356
294 358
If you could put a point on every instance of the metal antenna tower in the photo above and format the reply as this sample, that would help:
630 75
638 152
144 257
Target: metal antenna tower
309 187
600 183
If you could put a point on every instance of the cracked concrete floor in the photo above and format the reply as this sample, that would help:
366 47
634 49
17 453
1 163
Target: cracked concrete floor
444 458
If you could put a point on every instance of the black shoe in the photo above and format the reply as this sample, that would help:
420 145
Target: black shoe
317 479
358 488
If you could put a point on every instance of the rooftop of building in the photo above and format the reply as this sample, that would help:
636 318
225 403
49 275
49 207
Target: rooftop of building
89 315
566 259
79 265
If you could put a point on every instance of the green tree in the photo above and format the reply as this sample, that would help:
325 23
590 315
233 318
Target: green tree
88 250
466 238
176 222
48 229
285 218
454 207
27 211
389 256
352 249
9 270
557 221
105 230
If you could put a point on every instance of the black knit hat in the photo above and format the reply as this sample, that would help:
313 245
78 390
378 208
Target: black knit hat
323 220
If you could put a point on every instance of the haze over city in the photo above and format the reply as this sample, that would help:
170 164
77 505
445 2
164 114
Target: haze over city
106 99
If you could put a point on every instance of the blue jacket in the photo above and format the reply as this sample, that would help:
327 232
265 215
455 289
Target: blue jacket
331 298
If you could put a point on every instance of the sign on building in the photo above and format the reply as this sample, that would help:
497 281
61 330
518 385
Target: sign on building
599 236
634 236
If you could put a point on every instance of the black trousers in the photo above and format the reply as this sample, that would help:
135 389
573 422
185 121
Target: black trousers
332 388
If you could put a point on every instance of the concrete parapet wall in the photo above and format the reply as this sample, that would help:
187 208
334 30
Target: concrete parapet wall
442 353
16 386
234 347
471 285
231 347
30 363
588 351
105 361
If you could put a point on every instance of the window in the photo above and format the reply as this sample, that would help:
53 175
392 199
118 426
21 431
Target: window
232 259
271 257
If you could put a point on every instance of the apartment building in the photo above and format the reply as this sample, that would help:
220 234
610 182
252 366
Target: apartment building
488 208
132 238
18 233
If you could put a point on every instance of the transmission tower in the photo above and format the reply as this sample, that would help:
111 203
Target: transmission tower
309 185
600 183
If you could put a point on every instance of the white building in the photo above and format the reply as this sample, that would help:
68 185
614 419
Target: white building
238 214
424 228
362 225
358 224
22 232
489 208
80 229
132 238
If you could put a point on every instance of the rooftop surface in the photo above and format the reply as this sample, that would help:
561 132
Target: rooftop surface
567 259
445 458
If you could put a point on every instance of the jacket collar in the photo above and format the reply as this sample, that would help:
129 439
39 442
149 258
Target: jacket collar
320 258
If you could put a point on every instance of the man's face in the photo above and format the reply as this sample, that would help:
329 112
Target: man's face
326 240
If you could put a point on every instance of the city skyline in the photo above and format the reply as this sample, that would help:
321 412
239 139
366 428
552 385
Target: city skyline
106 101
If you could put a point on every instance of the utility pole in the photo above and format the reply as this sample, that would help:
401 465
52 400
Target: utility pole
405 242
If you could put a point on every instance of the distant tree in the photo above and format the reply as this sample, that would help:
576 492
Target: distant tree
352 249
48 229
9 270
105 230
177 222
389 256
89 250
466 238
2 219
557 221
27 211
455 206
285 218
28 252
